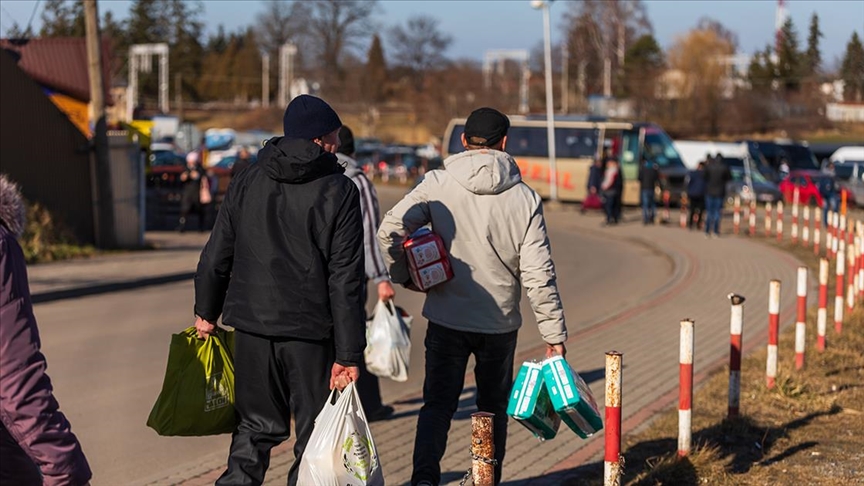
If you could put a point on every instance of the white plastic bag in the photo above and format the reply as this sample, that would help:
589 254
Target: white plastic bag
388 342
340 451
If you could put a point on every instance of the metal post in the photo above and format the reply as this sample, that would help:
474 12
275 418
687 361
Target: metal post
685 388
773 332
736 329
753 217
736 216
767 219
822 313
801 321
163 81
550 112
805 232
612 456
265 80
817 230
794 234
838 299
779 220
482 449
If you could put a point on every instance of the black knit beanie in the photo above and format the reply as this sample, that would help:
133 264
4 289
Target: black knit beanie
308 118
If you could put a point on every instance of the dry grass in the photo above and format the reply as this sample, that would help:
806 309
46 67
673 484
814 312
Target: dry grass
808 430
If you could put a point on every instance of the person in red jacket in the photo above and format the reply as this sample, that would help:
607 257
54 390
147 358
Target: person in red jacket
37 445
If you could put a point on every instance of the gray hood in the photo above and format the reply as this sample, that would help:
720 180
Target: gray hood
349 164
484 171
13 214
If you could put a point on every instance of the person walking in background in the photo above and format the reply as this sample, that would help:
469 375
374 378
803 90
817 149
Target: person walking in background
284 267
37 445
595 176
611 189
244 160
194 179
717 174
367 385
493 225
696 196
649 177
830 192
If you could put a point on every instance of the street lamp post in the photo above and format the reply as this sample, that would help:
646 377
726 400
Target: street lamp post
550 116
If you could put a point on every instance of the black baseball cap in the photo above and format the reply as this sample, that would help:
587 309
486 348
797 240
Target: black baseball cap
486 127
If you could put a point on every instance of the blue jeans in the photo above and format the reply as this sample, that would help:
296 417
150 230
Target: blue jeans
447 353
714 208
649 205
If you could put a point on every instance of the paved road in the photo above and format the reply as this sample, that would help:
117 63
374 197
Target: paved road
623 288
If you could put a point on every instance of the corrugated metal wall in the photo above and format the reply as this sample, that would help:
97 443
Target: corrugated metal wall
43 152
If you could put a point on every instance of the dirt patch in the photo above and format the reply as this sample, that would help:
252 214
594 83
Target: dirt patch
808 430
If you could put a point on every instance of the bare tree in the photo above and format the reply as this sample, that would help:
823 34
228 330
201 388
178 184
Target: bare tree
419 46
609 27
336 27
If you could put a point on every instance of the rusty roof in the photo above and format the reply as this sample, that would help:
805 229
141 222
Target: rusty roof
60 64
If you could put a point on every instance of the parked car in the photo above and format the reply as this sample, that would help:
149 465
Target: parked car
748 183
850 176
807 182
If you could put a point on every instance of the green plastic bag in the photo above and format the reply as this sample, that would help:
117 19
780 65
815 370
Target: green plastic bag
197 396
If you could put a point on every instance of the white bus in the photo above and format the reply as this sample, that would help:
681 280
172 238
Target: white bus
578 142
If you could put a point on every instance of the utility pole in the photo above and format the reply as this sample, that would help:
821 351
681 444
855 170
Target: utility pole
178 94
565 78
265 80
104 200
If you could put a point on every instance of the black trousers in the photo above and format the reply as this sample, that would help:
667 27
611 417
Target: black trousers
697 208
447 353
273 379
16 467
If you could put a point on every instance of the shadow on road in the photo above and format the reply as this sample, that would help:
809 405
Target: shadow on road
84 291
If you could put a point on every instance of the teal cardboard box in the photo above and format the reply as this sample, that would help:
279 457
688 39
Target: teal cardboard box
571 397
530 403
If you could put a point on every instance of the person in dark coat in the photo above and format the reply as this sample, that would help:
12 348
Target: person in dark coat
696 196
595 177
611 188
192 177
244 160
284 266
649 178
717 174
37 445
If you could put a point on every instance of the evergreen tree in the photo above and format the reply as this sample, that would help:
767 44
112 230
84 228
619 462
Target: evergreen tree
643 63
15 32
63 18
219 42
789 58
813 57
760 73
375 76
852 70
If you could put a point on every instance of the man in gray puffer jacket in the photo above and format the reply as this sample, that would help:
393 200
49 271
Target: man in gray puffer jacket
493 227
37 445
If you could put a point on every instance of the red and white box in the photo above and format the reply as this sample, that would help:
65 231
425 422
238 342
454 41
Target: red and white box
428 260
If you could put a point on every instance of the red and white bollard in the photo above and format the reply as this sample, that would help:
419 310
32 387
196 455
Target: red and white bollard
860 265
843 227
752 217
736 329
801 321
767 219
779 220
817 230
773 332
835 240
685 388
805 231
852 272
736 215
682 218
612 467
667 216
794 231
822 313
838 299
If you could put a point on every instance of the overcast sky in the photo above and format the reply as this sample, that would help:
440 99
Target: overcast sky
477 26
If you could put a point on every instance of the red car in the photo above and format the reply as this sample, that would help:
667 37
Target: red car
807 182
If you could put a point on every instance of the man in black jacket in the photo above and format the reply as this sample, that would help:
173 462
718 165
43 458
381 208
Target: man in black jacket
284 266
649 177
717 174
